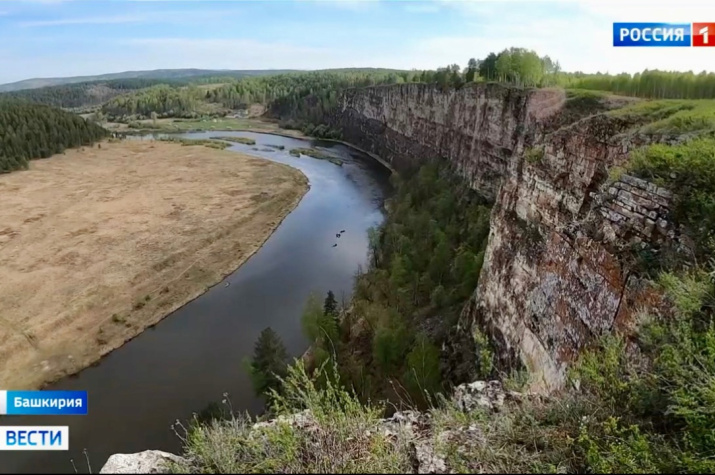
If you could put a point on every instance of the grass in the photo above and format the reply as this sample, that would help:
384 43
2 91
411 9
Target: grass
243 140
315 153
277 147
332 432
182 218
672 116
211 143
209 124
689 170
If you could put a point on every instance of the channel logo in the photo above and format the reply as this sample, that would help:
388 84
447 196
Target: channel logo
704 34
664 34
34 438
43 403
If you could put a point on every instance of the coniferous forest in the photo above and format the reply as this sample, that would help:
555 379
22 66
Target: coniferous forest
29 131
85 94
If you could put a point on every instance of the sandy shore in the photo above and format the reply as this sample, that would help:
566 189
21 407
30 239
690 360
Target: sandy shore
98 244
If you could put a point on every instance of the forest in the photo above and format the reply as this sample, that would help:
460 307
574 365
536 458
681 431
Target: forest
84 94
424 265
29 131
162 100
523 67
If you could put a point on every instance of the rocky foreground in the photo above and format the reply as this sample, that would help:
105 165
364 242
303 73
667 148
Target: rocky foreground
414 428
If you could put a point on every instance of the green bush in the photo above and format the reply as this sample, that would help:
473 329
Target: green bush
670 400
340 435
614 448
534 154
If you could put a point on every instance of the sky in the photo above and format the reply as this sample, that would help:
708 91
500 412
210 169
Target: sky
57 38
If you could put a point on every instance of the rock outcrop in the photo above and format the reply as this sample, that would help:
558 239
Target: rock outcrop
554 278
413 430
149 461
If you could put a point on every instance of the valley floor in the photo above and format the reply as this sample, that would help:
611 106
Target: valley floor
101 243
196 125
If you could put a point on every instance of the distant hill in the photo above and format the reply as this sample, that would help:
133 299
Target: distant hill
155 74
83 94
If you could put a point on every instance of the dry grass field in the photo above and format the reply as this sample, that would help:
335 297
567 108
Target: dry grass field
100 243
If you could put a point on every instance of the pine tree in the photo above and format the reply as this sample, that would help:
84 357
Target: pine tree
29 131
330 306
269 363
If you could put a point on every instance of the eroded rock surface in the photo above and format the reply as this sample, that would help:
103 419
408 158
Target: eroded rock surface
149 461
554 278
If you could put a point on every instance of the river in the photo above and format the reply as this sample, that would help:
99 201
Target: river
195 355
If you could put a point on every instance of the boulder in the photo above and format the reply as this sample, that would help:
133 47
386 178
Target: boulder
149 461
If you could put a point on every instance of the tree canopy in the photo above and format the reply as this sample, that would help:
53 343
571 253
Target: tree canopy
29 131
269 363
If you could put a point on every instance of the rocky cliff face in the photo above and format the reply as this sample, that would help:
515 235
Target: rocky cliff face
554 276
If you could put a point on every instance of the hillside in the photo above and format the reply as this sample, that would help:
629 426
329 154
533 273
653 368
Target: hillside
83 94
154 74
166 74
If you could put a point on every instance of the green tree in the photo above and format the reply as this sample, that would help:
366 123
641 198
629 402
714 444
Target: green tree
330 305
321 329
488 67
422 374
391 343
269 362
472 68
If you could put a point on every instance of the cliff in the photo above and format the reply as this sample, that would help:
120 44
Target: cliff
556 275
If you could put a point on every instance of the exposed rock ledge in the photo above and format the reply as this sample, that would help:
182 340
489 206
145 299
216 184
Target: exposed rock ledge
149 461
416 426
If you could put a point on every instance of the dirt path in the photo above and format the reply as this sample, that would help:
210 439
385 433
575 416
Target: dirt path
99 244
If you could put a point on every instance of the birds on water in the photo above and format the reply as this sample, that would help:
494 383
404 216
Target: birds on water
337 236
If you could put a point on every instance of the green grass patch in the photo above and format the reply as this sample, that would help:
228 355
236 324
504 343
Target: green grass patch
315 153
198 125
689 171
243 140
217 144
534 155
672 116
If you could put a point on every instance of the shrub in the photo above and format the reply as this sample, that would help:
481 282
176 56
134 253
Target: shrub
338 434
534 154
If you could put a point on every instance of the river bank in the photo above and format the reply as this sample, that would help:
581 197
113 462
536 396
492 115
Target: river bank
255 125
195 355
102 243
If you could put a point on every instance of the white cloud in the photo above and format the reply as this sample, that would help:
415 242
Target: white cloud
421 7
145 17
232 53
85 21
45 2
354 5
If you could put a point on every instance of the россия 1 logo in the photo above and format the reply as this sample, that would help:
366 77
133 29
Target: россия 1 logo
664 34
703 34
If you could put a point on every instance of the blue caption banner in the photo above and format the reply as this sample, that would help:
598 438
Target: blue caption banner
651 34
43 403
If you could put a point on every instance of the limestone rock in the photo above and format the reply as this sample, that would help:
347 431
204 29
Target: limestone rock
552 281
149 461
479 394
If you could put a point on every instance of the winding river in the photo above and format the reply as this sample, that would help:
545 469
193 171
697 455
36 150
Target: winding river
195 355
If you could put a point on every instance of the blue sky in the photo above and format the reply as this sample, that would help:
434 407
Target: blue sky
48 38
